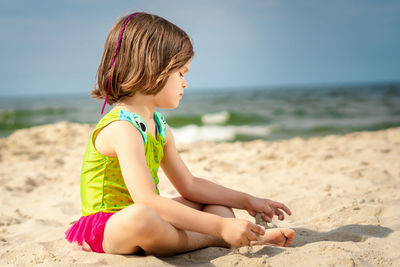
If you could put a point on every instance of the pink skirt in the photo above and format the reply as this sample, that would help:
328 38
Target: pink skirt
89 229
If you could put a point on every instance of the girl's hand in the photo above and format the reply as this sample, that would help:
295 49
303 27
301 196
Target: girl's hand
238 232
267 208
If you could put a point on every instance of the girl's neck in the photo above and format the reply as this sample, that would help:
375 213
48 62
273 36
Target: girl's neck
139 104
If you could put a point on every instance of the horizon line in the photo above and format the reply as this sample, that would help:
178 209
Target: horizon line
325 85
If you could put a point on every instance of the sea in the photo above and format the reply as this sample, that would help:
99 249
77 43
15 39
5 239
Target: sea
233 114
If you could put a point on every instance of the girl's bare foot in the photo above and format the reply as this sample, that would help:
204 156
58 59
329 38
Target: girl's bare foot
278 237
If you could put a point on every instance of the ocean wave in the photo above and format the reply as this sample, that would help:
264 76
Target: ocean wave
233 116
194 133
215 118
16 114
224 117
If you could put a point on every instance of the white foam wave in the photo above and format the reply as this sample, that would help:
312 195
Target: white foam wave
215 118
194 133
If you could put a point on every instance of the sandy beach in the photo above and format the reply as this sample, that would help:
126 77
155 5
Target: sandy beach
344 192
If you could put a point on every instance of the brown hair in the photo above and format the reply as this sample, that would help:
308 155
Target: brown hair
151 49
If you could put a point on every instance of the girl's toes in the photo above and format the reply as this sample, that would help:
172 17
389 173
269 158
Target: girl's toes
288 234
280 237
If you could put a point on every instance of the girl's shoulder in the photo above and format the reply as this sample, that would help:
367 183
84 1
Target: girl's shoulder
137 121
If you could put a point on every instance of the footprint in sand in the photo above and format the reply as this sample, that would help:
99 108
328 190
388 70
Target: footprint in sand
31 184
16 218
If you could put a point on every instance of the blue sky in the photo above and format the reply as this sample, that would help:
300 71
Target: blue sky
56 46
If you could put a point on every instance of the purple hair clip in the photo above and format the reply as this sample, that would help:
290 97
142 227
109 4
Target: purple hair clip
113 60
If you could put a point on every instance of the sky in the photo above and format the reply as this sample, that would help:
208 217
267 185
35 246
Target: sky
55 46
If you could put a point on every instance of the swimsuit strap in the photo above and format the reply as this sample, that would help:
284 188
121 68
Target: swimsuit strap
161 124
137 121
141 125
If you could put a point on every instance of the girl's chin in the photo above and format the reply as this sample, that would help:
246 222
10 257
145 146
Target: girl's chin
170 106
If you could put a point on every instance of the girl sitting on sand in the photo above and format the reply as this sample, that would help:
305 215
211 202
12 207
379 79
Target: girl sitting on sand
143 67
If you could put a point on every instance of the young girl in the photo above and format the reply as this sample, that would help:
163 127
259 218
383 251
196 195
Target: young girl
143 68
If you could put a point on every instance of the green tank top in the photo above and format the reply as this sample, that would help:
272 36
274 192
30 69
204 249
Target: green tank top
102 186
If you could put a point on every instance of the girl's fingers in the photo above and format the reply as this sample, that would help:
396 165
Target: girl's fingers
257 229
244 241
280 214
251 236
268 211
266 218
283 207
252 213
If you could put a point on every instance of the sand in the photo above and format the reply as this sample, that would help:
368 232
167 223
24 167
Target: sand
343 192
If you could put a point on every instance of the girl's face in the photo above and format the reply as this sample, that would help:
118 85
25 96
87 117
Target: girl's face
171 94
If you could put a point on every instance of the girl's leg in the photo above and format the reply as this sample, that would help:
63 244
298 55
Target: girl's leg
214 209
138 226
281 237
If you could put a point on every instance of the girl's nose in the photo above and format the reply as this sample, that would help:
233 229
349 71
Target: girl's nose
185 84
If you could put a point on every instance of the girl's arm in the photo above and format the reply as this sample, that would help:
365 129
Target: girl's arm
206 192
197 189
128 145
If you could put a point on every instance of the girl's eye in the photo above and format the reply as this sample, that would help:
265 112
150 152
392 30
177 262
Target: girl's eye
181 74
